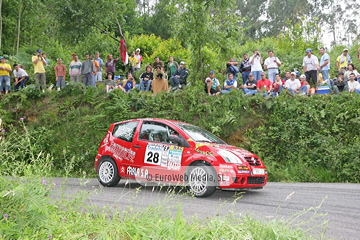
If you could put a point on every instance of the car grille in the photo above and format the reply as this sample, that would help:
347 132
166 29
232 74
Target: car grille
253 161
256 180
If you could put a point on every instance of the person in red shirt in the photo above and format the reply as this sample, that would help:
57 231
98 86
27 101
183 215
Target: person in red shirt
264 85
304 85
277 85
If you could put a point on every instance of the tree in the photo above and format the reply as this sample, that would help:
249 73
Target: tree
204 23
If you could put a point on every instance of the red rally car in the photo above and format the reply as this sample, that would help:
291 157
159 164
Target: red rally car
159 150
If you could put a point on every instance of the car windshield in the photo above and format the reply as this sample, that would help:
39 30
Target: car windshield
200 135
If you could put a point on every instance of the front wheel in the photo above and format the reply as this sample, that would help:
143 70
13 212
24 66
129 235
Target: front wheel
108 174
201 180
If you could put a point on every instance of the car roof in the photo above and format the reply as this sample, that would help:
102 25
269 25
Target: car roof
152 119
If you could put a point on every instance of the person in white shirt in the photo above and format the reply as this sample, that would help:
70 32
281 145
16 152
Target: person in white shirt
212 85
272 65
354 86
255 62
310 66
20 77
293 84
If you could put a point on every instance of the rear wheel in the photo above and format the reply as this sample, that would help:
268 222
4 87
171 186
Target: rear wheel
108 174
201 180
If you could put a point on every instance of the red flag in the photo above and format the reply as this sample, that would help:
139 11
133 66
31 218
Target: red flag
123 50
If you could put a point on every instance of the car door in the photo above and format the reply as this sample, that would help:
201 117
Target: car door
121 147
160 155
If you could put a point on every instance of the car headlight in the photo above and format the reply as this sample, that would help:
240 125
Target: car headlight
229 157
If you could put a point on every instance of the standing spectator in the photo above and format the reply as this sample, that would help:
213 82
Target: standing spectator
340 84
354 86
139 58
324 64
129 83
179 77
159 83
20 77
212 85
245 68
350 69
310 66
256 62
272 64
98 76
39 70
293 84
278 85
110 65
75 69
172 66
250 86
158 63
43 55
87 68
264 85
132 62
5 70
343 60
231 67
96 70
60 74
229 84
146 79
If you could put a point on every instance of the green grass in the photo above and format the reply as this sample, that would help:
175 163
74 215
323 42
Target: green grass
29 212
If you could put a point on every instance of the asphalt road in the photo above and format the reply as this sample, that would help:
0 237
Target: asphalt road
330 209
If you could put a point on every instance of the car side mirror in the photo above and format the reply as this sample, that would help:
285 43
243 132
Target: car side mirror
179 140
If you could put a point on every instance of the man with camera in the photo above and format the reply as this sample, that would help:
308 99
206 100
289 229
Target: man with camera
39 69
256 62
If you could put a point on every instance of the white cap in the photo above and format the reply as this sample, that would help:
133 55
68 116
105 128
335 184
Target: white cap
346 49
293 73
182 62
302 76
138 49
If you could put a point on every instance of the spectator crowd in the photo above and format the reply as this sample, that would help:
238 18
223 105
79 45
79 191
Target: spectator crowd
251 76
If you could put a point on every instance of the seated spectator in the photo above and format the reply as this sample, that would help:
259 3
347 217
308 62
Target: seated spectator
350 69
277 85
146 79
158 63
159 83
20 77
179 77
304 85
264 85
229 84
212 85
287 76
111 84
293 84
340 84
129 83
354 86
250 86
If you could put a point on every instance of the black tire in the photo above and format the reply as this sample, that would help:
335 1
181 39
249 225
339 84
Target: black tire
201 180
108 174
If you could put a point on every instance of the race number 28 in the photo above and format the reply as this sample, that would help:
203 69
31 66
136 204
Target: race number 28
152 157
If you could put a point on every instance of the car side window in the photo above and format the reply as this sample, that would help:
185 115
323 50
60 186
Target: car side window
125 131
155 132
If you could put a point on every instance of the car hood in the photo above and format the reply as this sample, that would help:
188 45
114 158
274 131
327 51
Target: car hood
213 147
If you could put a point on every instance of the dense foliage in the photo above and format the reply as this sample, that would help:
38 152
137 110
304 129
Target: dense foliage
299 138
